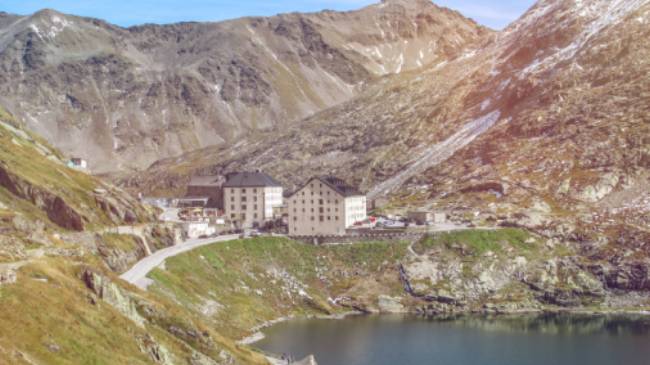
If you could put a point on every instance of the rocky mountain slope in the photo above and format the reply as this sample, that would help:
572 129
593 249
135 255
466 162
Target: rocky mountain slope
123 98
548 118
59 260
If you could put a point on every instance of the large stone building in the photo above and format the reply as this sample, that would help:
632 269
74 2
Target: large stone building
325 206
250 197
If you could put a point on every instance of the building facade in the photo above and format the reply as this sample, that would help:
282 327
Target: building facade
206 191
325 206
249 198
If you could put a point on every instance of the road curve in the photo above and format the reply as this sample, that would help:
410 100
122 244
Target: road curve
137 275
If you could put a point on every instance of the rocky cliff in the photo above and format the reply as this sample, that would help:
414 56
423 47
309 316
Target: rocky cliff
124 98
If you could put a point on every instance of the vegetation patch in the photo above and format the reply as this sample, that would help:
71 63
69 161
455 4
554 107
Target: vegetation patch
479 242
242 284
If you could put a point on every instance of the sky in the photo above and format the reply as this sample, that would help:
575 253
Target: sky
493 13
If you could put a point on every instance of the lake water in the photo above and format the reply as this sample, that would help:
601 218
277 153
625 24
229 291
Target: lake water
521 340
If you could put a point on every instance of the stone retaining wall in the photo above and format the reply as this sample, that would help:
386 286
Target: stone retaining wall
354 238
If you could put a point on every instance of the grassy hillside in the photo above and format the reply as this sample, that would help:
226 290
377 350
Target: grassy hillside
241 284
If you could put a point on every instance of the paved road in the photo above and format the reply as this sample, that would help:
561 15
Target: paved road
138 273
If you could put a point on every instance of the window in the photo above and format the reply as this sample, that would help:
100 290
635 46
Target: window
320 185
321 210
232 199
294 202
243 207
321 218
303 194
232 207
295 219
312 210
232 216
243 191
295 210
243 198
254 198
336 201
312 218
329 218
303 210
320 201
255 216
312 202
254 190
255 207
303 202
243 216
336 217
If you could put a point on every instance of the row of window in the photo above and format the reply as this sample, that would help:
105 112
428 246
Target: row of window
243 199
243 191
320 201
243 207
321 218
233 216
320 210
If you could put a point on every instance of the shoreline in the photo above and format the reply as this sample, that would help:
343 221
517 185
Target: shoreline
257 334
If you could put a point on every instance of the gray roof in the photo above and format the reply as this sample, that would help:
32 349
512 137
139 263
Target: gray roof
250 180
338 185
206 181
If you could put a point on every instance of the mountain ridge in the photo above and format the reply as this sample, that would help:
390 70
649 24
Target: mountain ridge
125 97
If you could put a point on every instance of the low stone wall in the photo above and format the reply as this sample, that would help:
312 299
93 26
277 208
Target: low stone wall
354 238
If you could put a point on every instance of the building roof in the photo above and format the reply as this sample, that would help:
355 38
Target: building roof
338 185
206 181
250 180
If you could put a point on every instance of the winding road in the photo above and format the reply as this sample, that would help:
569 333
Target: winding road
137 275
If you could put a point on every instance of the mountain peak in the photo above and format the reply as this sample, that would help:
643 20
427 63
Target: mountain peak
408 3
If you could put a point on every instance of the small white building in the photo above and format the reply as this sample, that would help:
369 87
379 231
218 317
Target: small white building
78 164
198 229
249 198
325 206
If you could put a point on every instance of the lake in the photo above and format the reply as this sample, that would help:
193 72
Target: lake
476 340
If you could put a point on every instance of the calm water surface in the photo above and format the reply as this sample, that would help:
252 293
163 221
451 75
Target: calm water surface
399 340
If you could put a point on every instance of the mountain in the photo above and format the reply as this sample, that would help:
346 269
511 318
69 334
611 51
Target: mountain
60 253
546 120
123 98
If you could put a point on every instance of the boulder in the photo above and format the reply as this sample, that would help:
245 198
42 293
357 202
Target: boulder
387 304
110 293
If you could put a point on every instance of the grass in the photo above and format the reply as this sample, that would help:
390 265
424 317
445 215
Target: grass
479 242
50 305
262 279
37 166
122 242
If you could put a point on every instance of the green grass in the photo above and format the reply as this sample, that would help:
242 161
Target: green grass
50 305
122 242
479 242
239 276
